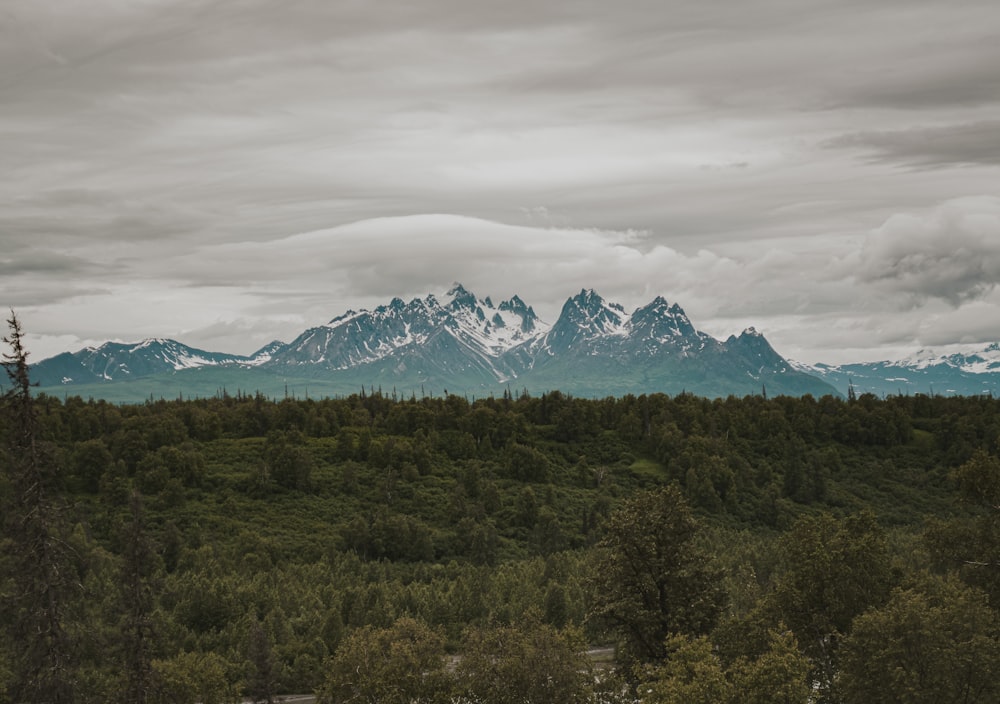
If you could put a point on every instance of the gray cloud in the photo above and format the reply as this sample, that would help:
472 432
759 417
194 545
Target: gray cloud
953 145
53 292
937 74
971 324
47 263
431 251
952 253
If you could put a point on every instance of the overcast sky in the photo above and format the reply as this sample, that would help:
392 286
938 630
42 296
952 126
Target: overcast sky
228 172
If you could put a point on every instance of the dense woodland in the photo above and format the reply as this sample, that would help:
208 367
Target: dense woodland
383 549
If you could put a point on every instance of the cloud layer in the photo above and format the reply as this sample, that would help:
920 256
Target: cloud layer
227 172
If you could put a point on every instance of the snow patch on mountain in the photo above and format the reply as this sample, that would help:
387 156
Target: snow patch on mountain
493 330
456 336
476 323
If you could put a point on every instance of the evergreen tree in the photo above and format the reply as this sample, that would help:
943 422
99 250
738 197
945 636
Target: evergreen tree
39 559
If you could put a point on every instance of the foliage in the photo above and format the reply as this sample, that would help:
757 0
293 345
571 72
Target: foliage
285 460
137 633
835 569
780 675
691 674
971 543
526 663
274 532
401 664
694 674
260 680
650 579
935 642
193 678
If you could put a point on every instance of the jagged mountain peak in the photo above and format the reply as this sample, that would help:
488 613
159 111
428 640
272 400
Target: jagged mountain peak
464 307
755 348
585 317
590 300
662 307
492 329
456 337
460 297
398 328
658 303
659 322
514 304
588 305
749 335
659 306
458 290
349 314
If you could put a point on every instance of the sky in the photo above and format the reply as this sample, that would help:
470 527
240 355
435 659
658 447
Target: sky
230 172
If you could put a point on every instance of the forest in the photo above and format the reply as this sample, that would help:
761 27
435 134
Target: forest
373 548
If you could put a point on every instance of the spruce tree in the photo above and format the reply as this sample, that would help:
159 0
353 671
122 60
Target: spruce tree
41 569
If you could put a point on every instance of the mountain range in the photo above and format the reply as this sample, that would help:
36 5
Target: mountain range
959 374
459 343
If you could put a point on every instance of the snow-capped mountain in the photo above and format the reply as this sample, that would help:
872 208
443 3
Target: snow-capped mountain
364 337
460 342
591 326
984 361
117 361
660 323
968 373
604 349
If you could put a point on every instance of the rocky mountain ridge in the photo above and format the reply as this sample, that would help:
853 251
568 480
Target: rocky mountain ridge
968 373
460 343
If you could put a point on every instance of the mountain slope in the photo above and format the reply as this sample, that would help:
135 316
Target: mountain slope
464 344
461 341
960 374
116 361
596 348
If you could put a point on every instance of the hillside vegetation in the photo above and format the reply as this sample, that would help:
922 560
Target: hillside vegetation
236 546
